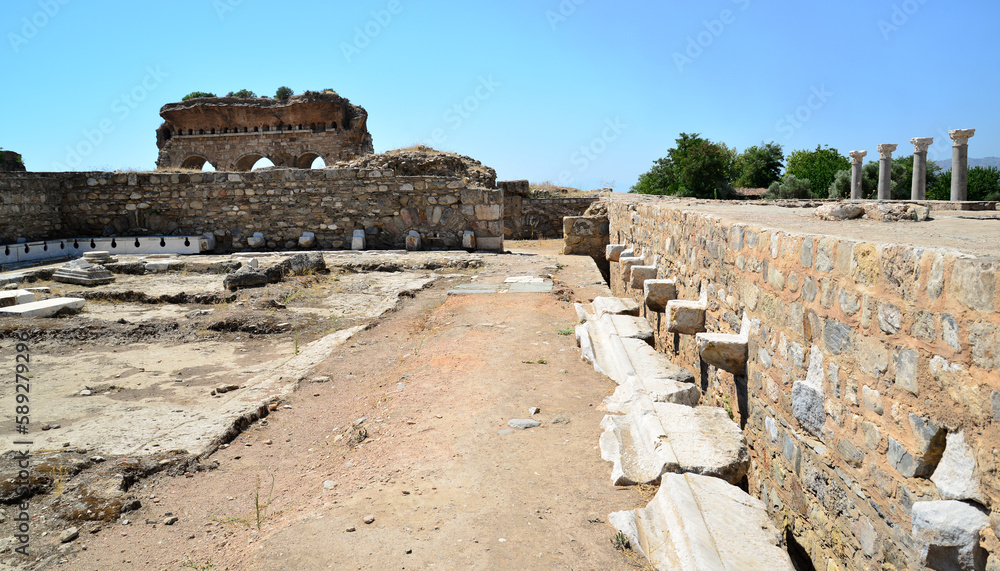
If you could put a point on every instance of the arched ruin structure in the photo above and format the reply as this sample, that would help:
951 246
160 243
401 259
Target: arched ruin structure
234 133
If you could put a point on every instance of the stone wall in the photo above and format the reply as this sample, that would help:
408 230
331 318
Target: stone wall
527 218
11 162
872 381
281 204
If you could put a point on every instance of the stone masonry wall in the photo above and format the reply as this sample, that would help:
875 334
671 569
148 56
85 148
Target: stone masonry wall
280 203
536 218
873 376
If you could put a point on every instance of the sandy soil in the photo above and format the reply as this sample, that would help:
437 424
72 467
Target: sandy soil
404 425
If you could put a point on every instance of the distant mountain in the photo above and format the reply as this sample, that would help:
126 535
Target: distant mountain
987 162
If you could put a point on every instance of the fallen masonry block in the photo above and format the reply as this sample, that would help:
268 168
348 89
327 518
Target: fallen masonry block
687 317
44 308
307 240
629 327
948 532
82 272
640 274
726 351
16 297
700 523
614 251
614 306
412 241
469 240
658 293
626 266
649 442
299 264
358 241
256 241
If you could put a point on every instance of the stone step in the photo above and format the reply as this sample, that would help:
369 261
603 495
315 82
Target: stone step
626 265
660 437
726 351
948 534
613 251
640 275
700 523
44 308
16 297
658 293
687 317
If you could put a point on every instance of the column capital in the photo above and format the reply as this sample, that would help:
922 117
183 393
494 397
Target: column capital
858 156
920 144
961 137
885 151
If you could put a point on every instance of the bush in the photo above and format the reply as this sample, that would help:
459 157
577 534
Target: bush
789 187
696 167
984 183
243 94
198 95
819 167
283 93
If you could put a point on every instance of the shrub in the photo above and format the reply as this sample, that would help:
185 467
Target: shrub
790 186
198 95
283 93
243 94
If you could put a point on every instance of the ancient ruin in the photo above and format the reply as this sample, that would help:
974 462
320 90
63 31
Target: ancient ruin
234 133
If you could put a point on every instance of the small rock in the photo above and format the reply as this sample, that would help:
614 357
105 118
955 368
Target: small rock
170 520
507 432
269 442
534 410
97 459
46 427
329 485
839 211
85 393
524 424
369 519
69 535
560 420
272 407
351 529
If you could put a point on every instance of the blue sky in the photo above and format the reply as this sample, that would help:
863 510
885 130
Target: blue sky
581 92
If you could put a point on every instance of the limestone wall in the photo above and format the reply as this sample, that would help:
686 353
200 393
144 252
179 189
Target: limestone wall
873 377
528 218
281 204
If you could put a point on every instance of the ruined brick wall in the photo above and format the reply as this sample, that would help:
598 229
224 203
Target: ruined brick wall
280 203
903 342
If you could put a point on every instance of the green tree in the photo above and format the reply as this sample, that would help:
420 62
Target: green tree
901 187
283 93
819 167
984 183
790 186
941 189
197 95
696 167
243 93
759 166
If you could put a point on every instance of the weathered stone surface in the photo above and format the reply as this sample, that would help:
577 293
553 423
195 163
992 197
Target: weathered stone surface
985 341
888 212
649 442
700 523
15 297
726 351
256 240
906 369
658 293
44 308
523 424
837 336
956 476
890 318
973 283
851 453
614 251
900 459
872 400
687 317
842 211
614 306
929 439
640 274
949 332
295 265
949 532
82 272
808 407
307 240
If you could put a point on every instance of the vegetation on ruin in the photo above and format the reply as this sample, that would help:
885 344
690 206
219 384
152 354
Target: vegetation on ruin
198 95
243 94
283 93
789 187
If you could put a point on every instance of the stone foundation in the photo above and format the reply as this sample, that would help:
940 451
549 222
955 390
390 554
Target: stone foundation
872 384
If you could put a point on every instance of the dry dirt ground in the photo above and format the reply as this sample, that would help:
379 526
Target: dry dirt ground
403 426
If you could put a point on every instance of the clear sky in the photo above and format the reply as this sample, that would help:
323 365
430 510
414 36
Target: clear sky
582 92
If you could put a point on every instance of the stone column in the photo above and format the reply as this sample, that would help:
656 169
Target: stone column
856 158
885 171
919 189
960 163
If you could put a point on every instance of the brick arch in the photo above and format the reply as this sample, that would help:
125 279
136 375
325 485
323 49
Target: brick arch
247 161
305 160
195 162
